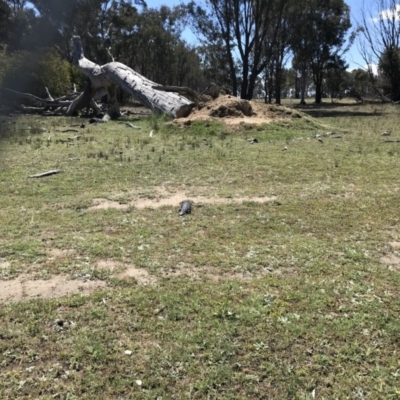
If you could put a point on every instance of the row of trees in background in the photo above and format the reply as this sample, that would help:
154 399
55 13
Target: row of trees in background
246 46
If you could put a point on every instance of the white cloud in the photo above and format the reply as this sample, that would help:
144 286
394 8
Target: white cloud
389 14
373 67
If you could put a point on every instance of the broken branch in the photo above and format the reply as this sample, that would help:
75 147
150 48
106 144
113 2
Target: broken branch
47 173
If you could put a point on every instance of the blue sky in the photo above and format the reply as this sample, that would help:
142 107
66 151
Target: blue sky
353 57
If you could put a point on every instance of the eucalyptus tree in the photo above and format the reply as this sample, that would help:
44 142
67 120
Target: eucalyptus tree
359 81
245 27
16 23
146 39
149 40
5 14
54 22
277 53
379 43
389 73
321 28
335 77
215 64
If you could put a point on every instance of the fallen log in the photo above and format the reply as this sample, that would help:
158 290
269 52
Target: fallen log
45 102
47 173
104 80
115 74
143 90
185 91
28 109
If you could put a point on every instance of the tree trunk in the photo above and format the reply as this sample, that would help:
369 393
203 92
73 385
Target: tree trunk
115 74
303 79
318 81
296 87
251 85
278 85
245 80
318 91
84 100
232 73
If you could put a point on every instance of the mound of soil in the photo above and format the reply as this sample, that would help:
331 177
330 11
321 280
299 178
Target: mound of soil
232 111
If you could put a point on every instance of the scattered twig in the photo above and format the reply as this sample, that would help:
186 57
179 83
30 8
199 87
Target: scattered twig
28 109
40 100
109 53
49 96
67 130
47 173
391 141
129 125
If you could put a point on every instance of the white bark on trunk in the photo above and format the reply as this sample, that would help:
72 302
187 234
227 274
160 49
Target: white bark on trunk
115 74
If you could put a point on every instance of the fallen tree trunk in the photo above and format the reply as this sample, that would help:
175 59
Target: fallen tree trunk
115 74
143 90
104 80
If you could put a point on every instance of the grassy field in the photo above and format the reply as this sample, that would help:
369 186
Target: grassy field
282 299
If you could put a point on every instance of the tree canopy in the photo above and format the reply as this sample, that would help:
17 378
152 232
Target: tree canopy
246 46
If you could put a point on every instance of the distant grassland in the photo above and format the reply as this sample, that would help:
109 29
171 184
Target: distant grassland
283 299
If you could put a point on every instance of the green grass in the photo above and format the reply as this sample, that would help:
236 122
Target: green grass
302 308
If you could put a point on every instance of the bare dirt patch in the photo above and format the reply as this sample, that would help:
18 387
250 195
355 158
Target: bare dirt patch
392 259
233 111
395 245
173 200
54 253
141 276
24 288
4 264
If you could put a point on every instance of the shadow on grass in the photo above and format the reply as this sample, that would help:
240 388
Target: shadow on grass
338 110
7 128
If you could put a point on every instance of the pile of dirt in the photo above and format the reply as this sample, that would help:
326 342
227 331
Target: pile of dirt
232 110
